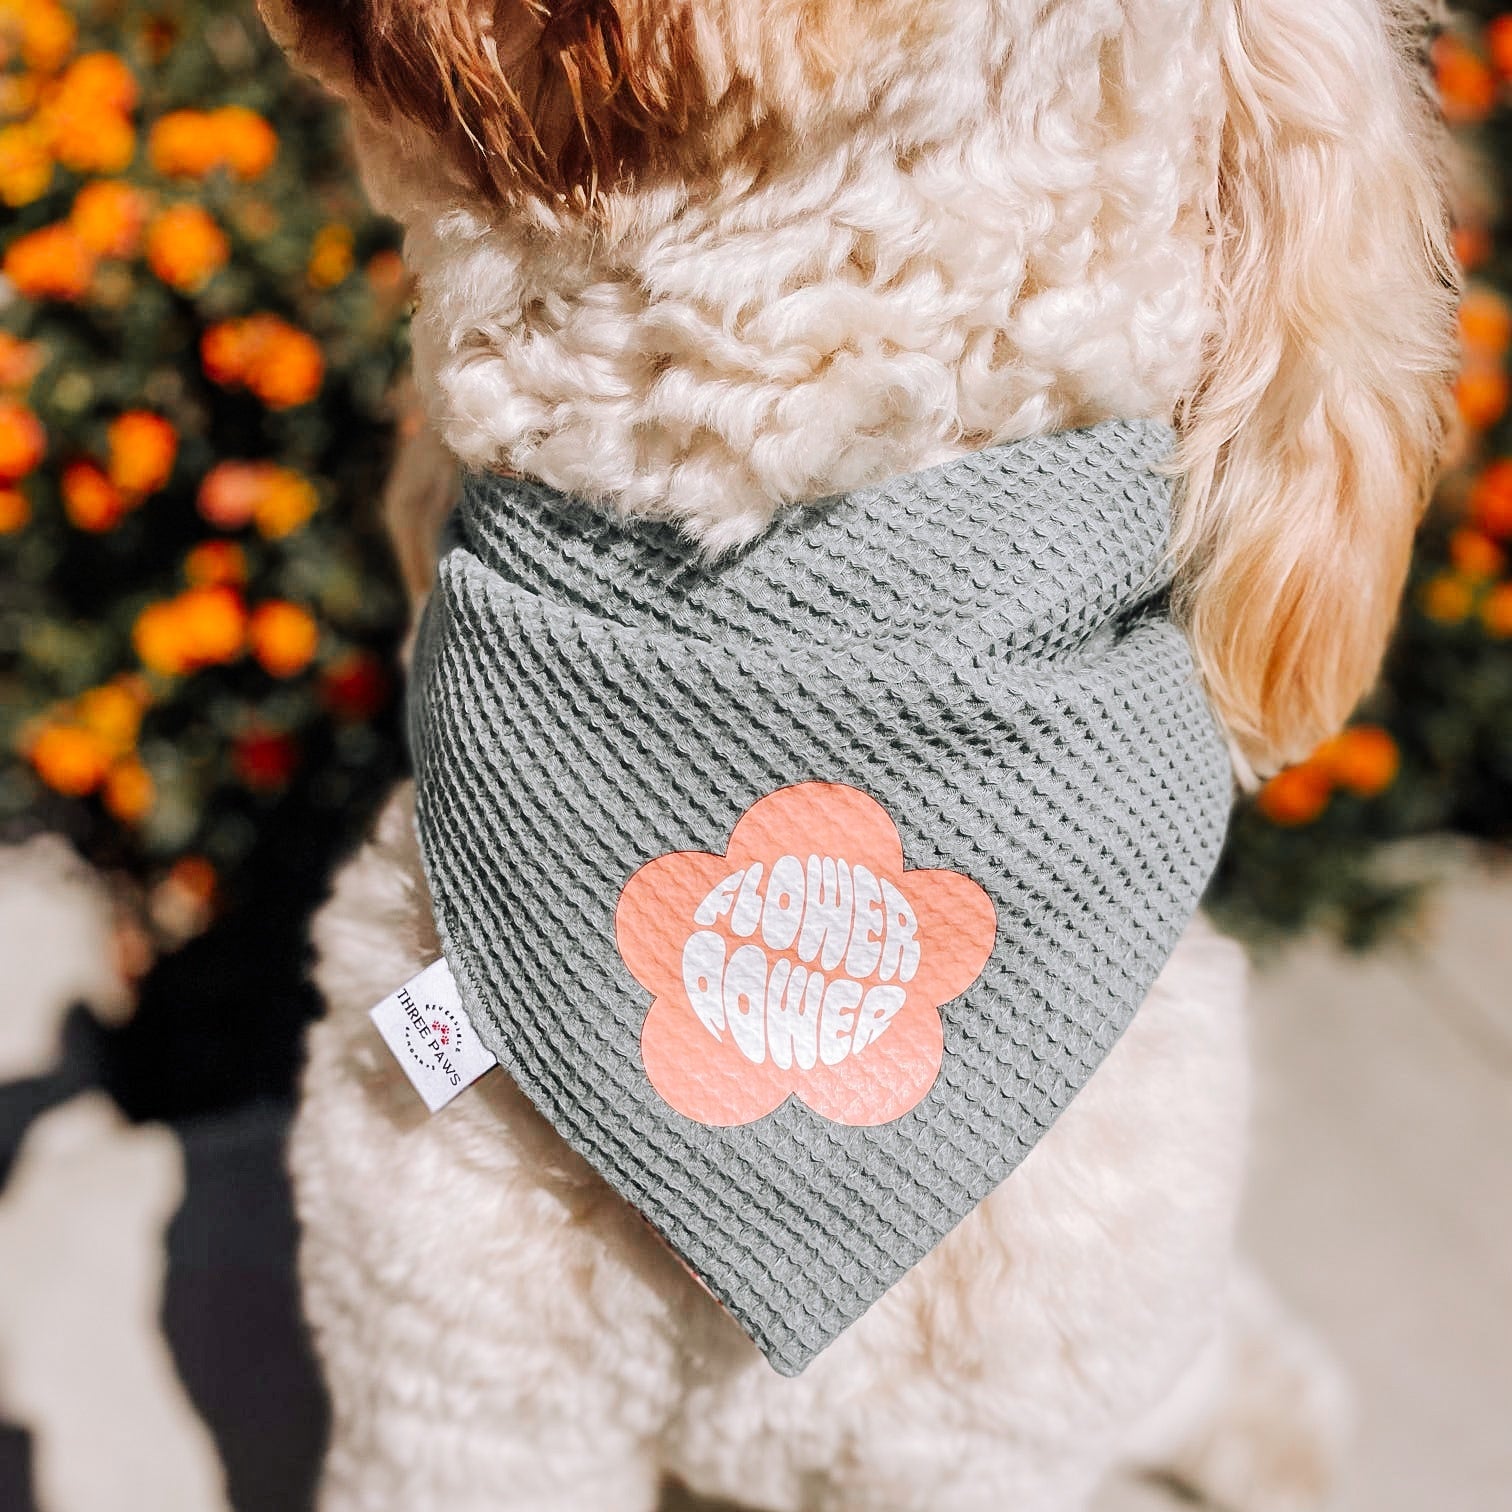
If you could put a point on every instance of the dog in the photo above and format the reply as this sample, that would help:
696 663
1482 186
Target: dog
703 260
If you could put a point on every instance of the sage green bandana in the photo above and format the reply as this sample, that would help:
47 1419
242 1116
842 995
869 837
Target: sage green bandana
801 889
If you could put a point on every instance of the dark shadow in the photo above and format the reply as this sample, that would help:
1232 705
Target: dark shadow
231 1310
23 1101
15 1470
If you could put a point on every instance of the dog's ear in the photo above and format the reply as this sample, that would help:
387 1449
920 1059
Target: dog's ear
556 98
1311 443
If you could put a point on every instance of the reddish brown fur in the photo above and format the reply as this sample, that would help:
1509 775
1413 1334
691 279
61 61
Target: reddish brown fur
557 98
566 100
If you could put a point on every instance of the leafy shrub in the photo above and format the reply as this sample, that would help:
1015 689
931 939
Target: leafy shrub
200 326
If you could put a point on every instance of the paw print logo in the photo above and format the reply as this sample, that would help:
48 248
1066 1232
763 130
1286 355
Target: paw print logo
431 1034
806 961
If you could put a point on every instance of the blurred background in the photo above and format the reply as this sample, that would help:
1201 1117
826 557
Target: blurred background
201 329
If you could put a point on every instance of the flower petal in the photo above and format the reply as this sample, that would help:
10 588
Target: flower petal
703 1078
824 818
959 924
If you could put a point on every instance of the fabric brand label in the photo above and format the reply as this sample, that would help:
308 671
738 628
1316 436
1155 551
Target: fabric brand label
431 1036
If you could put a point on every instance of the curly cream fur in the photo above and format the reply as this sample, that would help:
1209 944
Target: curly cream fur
1002 245
893 231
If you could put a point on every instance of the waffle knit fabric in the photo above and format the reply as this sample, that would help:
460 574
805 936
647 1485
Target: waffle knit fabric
802 888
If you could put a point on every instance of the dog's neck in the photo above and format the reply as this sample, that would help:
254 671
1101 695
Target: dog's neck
1007 249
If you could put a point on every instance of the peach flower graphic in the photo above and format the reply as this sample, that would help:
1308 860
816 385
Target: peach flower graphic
806 962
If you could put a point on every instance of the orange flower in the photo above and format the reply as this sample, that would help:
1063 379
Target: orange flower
87 117
68 759
224 352
194 143
1363 758
23 442
280 364
1499 45
1467 88
245 142
213 623
15 511
287 371
20 361
129 791
330 256
47 36
100 79
26 164
158 639
90 500
1447 598
1472 246
1295 796
1490 501
51 263
1485 321
1475 555
283 637
112 713
213 563
1496 612
203 626
185 247
107 216
142 449
286 502
277 499
1481 393
182 144
100 142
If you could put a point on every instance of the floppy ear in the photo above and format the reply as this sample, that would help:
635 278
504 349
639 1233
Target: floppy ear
422 489
1310 445
547 97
